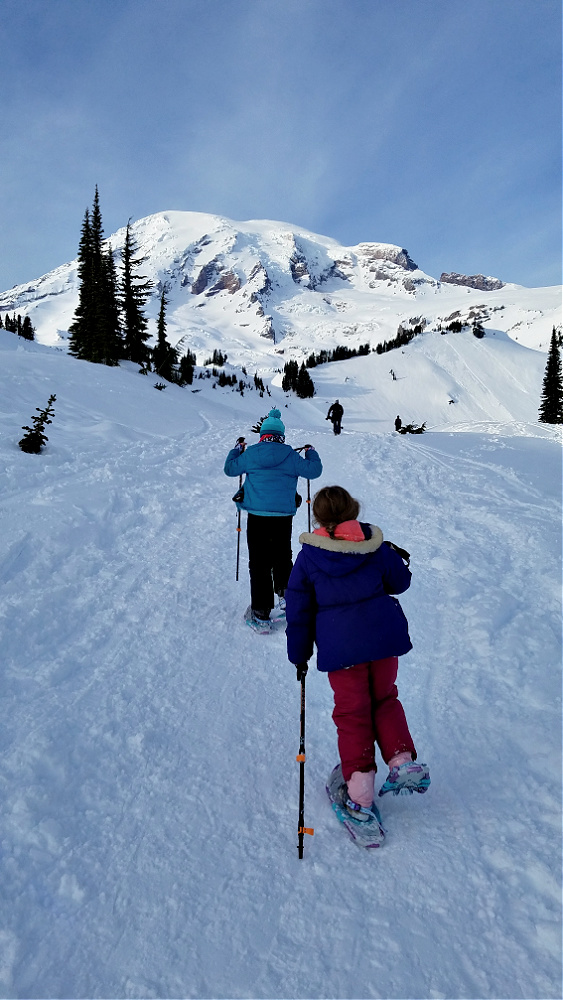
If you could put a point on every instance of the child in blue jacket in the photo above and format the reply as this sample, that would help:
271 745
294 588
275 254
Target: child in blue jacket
339 597
272 469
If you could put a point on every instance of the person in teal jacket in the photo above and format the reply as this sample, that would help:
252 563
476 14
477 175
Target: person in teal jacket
272 469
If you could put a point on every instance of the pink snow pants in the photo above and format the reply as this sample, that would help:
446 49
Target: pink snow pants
367 710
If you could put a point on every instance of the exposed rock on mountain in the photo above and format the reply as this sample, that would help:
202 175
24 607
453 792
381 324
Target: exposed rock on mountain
477 281
371 252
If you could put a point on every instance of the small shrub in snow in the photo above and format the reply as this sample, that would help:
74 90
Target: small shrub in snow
33 441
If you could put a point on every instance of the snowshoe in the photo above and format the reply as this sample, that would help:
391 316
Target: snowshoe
407 778
364 826
263 626
278 613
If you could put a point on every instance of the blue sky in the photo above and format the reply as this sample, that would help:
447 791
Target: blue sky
434 124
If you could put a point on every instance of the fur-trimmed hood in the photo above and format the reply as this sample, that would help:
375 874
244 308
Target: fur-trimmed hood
342 545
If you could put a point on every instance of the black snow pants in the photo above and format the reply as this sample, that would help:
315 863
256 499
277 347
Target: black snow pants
269 558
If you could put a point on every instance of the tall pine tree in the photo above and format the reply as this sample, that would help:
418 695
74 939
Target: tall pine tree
112 341
95 334
107 343
186 370
134 293
28 330
551 406
83 324
304 386
164 356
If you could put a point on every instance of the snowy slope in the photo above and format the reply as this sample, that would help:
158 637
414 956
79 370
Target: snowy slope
268 291
148 772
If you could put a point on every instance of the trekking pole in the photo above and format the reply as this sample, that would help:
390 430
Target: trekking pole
301 828
238 528
308 489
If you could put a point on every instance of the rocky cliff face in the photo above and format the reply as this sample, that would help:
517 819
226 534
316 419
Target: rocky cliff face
477 281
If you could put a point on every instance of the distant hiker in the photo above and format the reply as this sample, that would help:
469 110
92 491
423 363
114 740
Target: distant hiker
338 599
392 373
398 423
272 469
335 413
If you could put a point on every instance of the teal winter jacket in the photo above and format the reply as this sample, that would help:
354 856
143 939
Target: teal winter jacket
272 470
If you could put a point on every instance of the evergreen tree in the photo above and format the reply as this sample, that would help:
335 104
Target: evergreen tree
33 441
134 293
164 356
290 374
95 334
551 407
27 330
108 311
259 384
83 325
107 347
304 386
186 370
15 324
218 358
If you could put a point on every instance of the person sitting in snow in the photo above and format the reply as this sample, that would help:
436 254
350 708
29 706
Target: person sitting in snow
339 598
335 413
272 469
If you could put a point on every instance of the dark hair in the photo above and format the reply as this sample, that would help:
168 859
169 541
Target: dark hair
332 505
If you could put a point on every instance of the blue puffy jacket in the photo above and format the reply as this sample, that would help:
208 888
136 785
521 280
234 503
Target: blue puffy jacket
338 597
272 470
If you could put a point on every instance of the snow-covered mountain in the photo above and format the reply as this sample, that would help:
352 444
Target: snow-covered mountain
266 292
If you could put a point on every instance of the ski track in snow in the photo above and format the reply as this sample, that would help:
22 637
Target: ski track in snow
148 778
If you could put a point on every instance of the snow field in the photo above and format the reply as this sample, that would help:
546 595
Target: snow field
148 777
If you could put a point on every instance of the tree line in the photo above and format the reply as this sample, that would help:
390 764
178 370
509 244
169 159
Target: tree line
16 324
298 380
340 353
109 323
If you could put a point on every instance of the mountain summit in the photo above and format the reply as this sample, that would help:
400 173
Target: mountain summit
261 289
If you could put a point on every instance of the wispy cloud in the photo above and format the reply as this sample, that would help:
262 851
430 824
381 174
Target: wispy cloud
425 124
